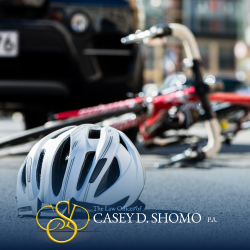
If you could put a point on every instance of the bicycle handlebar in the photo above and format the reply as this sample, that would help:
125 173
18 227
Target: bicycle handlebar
174 29
159 30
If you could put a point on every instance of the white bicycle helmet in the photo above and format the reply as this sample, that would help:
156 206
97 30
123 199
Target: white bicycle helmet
88 164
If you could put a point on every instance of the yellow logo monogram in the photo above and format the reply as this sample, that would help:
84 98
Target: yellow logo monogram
69 220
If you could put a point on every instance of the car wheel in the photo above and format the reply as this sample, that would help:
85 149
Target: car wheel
34 119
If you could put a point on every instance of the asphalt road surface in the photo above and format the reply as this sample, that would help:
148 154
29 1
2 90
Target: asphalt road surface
218 188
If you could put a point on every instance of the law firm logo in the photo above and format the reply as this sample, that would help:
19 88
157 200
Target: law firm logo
62 218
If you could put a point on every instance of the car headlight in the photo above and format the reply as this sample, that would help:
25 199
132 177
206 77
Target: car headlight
79 23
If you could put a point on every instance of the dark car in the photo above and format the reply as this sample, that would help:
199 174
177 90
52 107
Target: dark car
62 55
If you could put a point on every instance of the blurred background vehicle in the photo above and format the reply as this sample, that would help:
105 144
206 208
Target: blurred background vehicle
61 55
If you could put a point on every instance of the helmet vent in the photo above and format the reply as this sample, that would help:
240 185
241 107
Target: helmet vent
98 168
23 179
94 134
39 169
85 169
123 143
109 178
59 166
60 133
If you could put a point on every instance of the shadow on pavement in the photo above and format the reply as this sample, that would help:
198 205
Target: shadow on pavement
169 150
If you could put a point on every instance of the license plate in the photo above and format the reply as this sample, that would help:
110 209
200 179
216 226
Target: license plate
9 43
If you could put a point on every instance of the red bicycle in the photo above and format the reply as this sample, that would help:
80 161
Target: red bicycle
154 115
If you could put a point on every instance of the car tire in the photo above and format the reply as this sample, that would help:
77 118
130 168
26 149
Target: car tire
33 119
